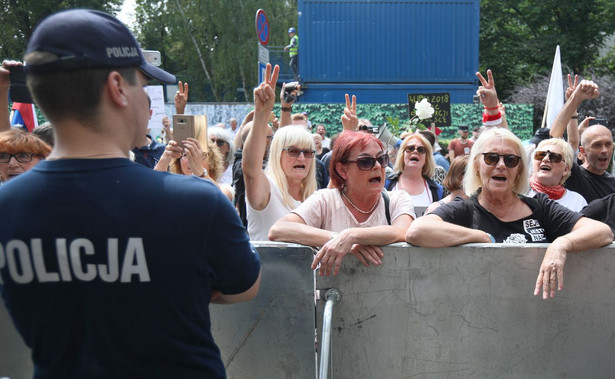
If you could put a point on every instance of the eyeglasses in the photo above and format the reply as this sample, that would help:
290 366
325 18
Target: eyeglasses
219 142
419 149
20 157
367 163
553 157
510 160
294 152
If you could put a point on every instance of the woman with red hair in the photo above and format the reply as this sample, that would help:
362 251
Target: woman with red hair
355 215
19 152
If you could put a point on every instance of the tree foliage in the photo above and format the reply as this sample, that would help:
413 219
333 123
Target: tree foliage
223 32
19 17
518 37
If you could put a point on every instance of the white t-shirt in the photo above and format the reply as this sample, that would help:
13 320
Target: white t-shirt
326 210
571 200
227 175
259 222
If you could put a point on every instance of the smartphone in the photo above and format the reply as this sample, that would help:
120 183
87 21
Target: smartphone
152 57
599 121
189 126
19 91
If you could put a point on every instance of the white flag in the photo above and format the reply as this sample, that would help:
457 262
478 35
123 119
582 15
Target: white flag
555 95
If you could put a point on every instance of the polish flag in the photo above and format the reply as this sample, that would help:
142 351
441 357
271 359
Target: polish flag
24 114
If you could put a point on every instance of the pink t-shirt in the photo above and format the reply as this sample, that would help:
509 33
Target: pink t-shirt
326 210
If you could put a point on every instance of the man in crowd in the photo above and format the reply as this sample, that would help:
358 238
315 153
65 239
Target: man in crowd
114 276
293 52
233 129
590 179
326 142
148 151
460 146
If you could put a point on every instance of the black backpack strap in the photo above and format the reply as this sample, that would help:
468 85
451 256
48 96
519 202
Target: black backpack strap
385 196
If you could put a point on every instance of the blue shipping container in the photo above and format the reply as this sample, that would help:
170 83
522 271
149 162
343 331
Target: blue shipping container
363 45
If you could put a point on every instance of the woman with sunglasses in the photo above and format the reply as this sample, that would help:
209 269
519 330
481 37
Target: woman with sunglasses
495 179
19 152
290 175
414 168
553 159
351 217
223 140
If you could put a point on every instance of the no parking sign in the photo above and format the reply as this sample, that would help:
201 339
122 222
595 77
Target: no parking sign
262 27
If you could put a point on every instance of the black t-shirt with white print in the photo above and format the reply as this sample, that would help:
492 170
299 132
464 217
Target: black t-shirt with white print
548 220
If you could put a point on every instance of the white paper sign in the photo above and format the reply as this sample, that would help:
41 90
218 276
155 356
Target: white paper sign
155 123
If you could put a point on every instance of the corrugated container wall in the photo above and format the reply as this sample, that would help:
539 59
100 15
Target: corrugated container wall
414 45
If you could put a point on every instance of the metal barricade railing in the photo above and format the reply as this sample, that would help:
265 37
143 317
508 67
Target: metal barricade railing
332 296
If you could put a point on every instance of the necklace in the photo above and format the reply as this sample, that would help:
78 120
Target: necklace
357 208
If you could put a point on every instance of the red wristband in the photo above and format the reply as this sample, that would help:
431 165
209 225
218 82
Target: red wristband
491 117
491 109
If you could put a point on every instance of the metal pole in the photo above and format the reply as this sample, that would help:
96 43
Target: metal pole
332 296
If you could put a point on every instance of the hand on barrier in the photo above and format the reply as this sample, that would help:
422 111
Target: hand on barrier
551 270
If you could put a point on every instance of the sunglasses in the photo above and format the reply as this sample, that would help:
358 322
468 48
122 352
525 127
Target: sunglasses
419 149
20 157
367 163
294 152
219 142
553 157
510 160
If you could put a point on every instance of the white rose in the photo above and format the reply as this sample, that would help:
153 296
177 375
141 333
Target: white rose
423 109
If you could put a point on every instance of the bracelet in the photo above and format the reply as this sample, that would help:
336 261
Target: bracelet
492 109
287 109
489 118
575 116
492 238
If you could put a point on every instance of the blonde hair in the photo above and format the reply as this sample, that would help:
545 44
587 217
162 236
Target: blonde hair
567 153
429 168
299 137
471 180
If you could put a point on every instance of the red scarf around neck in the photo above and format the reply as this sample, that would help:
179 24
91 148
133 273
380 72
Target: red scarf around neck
554 193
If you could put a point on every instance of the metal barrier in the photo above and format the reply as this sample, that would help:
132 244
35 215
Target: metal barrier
458 312
332 296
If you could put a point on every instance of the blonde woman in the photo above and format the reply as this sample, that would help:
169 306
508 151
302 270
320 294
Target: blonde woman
199 157
290 174
414 168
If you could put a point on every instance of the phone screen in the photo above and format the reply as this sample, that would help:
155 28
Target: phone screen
19 91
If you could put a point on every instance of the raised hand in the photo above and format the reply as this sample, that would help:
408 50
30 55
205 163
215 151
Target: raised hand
486 92
350 121
571 86
181 97
264 94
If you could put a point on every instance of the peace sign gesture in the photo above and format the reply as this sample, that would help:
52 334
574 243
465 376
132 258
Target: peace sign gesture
264 95
349 118
181 97
487 93
571 86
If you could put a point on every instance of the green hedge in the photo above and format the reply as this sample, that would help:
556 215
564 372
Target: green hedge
519 116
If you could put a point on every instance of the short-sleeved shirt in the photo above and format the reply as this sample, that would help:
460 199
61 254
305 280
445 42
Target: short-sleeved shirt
591 186
459 148
114 275
326 209
548 220
571 200
602 210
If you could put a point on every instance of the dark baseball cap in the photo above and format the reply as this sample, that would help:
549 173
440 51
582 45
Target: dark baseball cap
86 39
464 128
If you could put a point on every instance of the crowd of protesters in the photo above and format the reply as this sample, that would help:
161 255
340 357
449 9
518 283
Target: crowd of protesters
347 194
